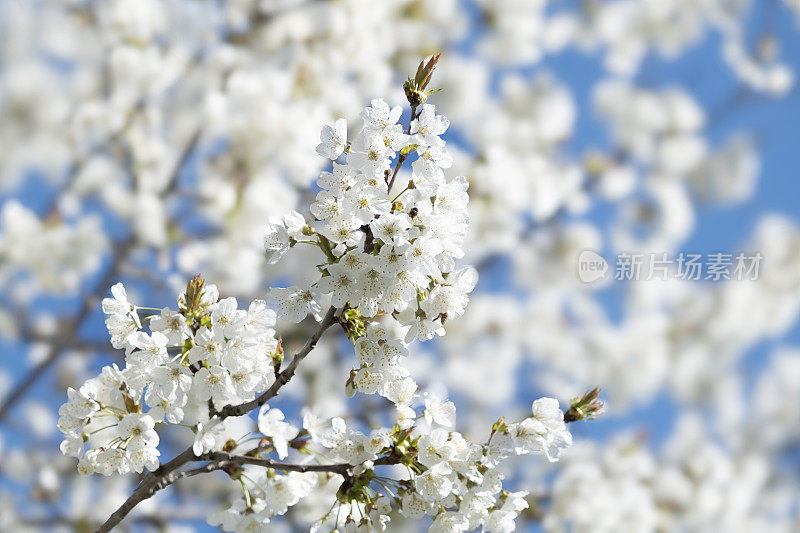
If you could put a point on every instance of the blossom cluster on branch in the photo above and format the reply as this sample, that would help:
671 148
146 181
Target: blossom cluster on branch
388 275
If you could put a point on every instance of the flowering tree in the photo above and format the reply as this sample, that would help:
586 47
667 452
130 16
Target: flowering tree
589 150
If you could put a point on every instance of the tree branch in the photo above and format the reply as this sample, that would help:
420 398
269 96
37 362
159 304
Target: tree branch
151 484
339 468
222 459
166 475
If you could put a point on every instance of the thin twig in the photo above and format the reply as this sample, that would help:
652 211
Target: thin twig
121 252
402 157
223 459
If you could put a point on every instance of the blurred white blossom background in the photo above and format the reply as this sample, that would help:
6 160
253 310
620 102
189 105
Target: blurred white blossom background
146 141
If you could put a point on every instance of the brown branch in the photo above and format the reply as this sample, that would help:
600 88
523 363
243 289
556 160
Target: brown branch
166 475
223 459
339 468
152 483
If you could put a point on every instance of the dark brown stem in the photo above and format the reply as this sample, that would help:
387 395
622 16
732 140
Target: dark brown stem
221 459
152 483
166 475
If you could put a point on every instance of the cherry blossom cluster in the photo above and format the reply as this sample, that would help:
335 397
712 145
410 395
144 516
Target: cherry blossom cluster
208 352
424 469
385 252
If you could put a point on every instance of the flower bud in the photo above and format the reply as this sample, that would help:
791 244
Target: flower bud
584 407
